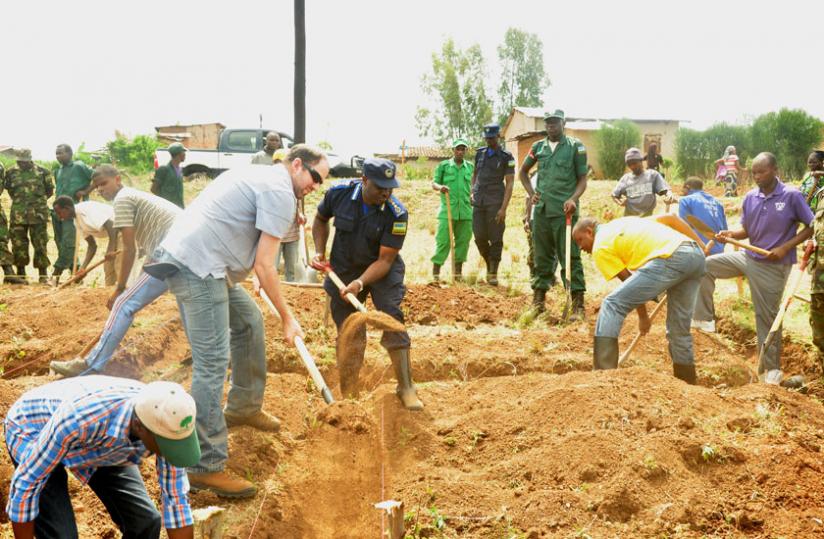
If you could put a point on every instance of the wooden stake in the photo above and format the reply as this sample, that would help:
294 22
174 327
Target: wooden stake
637 338
394 513
76 249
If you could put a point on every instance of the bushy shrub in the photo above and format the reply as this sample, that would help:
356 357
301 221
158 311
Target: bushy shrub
697 151
136 154
613 140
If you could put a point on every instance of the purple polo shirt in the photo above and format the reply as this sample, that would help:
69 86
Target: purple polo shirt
772 220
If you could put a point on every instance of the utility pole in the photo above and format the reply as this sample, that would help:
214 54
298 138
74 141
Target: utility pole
300 71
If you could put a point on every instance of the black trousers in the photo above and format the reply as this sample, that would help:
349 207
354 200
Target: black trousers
489 234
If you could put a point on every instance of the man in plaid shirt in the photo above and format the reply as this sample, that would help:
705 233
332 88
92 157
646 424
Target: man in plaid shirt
100 428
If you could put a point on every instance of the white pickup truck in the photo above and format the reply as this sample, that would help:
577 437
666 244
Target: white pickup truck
236 147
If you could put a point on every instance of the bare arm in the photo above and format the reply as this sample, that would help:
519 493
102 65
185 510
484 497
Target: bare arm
267 274
111 231
91 250
126 263
781 251
510 182
571 204
523 175
186 532
643 318
320 235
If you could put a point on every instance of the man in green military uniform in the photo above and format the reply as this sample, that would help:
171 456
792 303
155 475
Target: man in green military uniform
5 254
73 179
168 179
562 179
29 187
453 176
817 283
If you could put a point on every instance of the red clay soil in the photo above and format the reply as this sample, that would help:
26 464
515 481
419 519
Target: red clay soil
518 435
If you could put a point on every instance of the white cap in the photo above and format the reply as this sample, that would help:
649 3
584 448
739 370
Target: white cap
166 409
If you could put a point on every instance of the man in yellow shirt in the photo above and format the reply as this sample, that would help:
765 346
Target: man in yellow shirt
650 255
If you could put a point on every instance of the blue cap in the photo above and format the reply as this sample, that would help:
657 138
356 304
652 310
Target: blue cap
491 130
381 171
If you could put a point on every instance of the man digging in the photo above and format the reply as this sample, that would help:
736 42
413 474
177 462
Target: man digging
143 220
663 255
370 228
100 428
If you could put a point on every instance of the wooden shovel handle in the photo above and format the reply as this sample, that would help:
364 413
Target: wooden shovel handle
341 286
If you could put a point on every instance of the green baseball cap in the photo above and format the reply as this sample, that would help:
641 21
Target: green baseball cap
557 113
459 142
169 413
176 149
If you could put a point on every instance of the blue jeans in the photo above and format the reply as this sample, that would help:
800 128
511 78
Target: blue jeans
222 323
144 291
122 492
290 251
680 276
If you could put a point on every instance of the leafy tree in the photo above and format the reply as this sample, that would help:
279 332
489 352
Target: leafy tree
456 88
790 134
613 140
697 151
523 79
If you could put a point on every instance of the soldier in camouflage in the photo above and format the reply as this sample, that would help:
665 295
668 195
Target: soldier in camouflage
817 283
29 187
5 254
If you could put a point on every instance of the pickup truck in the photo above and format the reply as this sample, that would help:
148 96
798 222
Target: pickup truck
236 147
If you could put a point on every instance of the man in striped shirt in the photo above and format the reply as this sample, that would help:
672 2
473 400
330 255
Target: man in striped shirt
99 428
143 220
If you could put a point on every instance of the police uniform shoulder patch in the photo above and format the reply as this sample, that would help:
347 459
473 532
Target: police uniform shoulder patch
399 228
341 185
397 209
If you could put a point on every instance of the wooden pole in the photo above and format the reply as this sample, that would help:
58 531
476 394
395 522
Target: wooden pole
637 338
300 71
76 249
451 235
739 281
394 512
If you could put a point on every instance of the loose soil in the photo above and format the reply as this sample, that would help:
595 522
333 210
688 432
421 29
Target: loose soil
518 439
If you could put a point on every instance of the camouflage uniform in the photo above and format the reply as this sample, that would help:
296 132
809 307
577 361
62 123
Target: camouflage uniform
817 283
29 191
5 254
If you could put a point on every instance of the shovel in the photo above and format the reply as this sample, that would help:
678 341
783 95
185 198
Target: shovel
789 295
705 230
317 377
568 267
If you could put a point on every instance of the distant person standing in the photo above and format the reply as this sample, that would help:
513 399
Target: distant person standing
72 179
29 186
814 180
168 179
654 159
453 177
5 253
492 184
637 191
699 203
266 156
732 168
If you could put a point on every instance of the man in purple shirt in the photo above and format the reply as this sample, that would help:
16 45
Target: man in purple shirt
770 216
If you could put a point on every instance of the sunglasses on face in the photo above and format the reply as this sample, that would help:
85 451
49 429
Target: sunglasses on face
316 177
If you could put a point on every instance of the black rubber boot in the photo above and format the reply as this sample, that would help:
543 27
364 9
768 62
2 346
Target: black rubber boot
684 372
21 274
605 353
492 273
403 372
539 300
44 276
458 272
578 311
436 273
10 276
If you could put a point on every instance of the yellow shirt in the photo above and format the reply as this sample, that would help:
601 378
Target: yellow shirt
631 242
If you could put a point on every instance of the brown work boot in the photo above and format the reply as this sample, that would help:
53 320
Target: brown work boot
260 420
406 388
222 484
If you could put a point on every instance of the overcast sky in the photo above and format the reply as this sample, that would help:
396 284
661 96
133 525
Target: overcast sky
77 71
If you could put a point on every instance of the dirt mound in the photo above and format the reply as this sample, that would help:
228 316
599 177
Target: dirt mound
434 305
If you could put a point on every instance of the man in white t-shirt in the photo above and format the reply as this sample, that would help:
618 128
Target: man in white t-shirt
92 220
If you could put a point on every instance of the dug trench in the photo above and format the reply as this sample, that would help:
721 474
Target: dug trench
518 438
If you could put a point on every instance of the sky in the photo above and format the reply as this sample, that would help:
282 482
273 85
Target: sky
78 71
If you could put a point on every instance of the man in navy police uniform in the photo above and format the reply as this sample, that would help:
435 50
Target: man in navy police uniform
370 228
491 191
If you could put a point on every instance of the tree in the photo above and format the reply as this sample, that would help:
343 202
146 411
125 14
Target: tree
300 71
697 151
791 134
455 86
613 140
523 79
